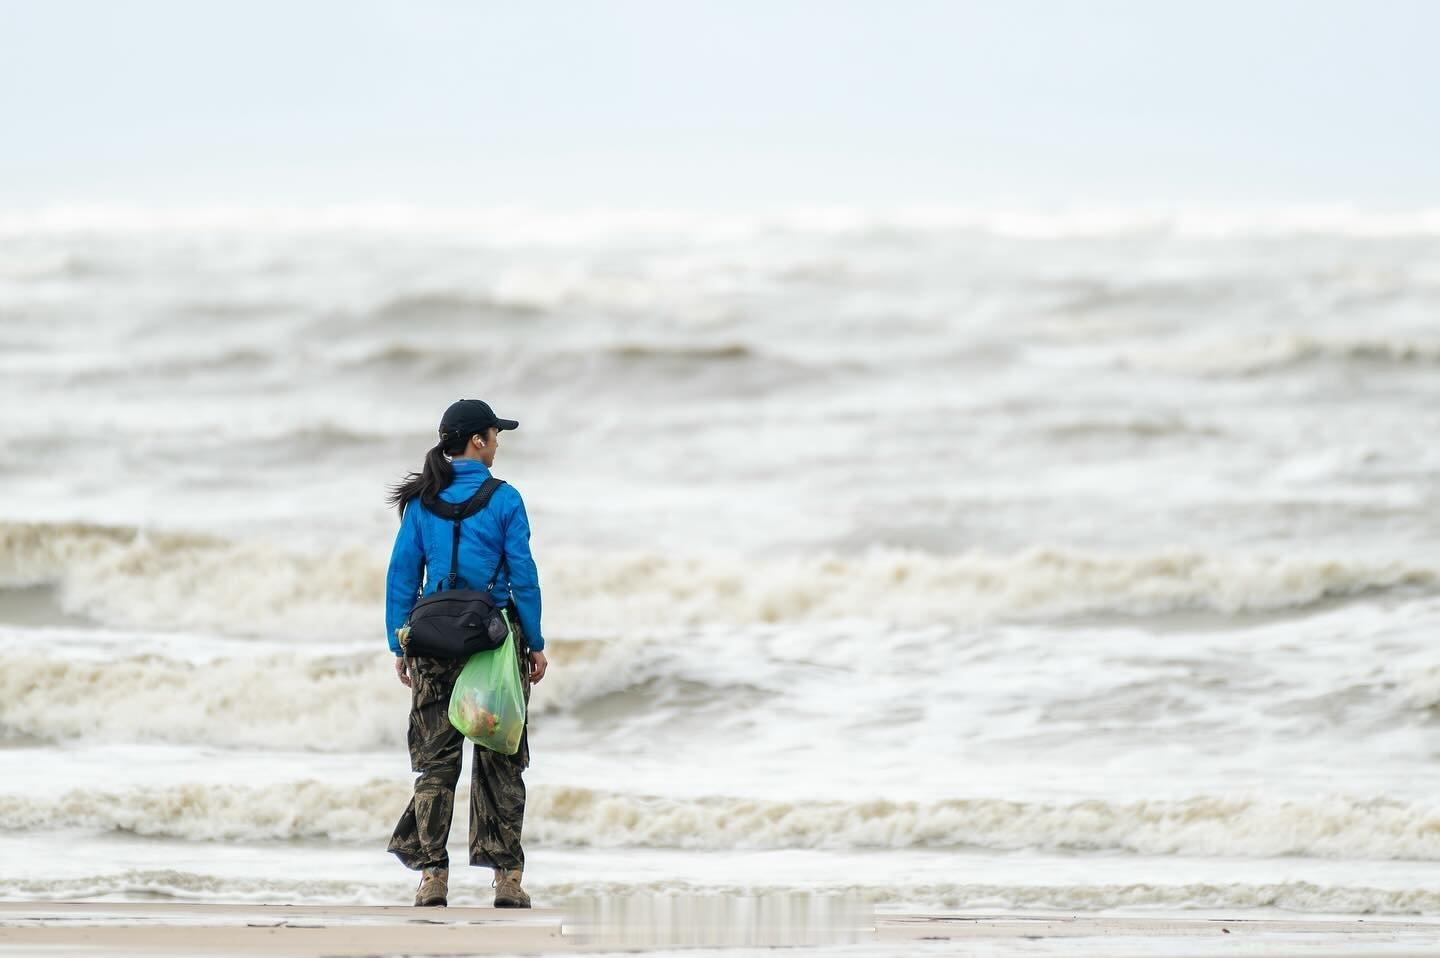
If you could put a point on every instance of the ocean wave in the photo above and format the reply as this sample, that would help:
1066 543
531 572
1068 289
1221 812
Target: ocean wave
54 263
1133 427
321 703
410 355
124 370
678 368
1328 827
672 370
1422 686
913 588
412 359
1078 297
174 885
1297 896
334 704
1252 357
131 577
450 305
514 225
697 352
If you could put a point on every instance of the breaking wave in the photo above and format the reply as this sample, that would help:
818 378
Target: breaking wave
683 368
1330 827
119 370
126 576
1279 353
335 704
1297 896
1135 427
720 352
131 577
1423 687
409 308
314 702
408 354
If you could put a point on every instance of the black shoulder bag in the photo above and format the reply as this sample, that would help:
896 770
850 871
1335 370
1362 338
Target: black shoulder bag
452 623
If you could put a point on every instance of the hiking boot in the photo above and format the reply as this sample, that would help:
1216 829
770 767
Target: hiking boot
433 887
508 893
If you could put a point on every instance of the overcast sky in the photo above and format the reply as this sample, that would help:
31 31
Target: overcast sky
734 105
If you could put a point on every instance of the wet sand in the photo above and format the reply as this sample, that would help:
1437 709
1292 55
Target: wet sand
56 928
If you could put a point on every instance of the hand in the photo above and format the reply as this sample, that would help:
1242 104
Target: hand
400 671
537 666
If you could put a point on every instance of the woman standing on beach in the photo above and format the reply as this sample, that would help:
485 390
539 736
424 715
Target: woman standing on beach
497 537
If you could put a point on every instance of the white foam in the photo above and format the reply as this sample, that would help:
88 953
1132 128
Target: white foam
140 578
1422 685
1262 354
1295 896
254 695
1325 826
287 701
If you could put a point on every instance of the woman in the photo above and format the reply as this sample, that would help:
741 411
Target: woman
495 538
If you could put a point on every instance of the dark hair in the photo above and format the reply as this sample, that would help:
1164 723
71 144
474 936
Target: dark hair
435 474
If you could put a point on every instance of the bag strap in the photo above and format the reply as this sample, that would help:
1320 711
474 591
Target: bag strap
495 576
457 512
466 509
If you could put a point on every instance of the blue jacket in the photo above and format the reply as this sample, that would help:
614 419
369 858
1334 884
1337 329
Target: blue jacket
422 550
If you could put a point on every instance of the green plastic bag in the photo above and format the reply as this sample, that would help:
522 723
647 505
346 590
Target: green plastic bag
488 703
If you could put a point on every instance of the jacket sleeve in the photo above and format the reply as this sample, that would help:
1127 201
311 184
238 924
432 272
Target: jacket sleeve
407 571
524 578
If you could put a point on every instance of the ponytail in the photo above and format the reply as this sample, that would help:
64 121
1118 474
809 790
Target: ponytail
434 475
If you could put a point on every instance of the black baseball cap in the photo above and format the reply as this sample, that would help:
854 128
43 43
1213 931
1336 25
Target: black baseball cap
469 416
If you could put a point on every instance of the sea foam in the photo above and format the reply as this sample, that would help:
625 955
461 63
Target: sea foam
131 577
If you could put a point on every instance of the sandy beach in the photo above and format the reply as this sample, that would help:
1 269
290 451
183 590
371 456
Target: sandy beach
219 929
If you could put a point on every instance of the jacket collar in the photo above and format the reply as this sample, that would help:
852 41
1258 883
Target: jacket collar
470 467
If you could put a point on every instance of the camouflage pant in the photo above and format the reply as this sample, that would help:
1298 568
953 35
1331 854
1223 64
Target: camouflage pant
497 788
